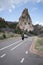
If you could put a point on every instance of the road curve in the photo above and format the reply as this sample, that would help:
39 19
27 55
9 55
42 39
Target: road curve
16 52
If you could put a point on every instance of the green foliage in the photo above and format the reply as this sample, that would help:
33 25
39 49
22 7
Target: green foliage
4 36
33 32
2 24
25 31
18 31
41 32
13 25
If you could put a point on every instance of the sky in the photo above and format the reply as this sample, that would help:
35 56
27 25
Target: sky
11 10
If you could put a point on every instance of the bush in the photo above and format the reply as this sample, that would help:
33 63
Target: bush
18 31
12 35
4 36
33 32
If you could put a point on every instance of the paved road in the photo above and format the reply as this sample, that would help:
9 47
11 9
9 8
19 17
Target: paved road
16 52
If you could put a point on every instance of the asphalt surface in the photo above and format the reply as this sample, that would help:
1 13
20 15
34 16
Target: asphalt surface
16 52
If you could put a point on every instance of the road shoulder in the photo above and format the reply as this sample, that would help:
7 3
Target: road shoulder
33 50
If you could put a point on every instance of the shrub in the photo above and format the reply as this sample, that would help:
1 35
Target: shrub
33 32
4 36
18 31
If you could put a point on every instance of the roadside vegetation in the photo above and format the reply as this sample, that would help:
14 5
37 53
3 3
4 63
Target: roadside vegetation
39 44
10 29
6 35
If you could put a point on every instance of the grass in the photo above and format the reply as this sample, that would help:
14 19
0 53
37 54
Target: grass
8 35
39 44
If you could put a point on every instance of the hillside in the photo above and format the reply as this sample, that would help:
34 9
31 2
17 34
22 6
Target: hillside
38 29
6 25
24 24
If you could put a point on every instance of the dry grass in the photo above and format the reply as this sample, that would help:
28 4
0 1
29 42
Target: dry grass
39 44
8 35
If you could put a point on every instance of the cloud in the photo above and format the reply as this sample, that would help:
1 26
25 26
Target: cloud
34 9
39 1
10 10
13 6
1 9
10 4
36 1
41 23
38 22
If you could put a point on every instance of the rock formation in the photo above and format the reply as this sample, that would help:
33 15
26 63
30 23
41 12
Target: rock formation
38 29
25 22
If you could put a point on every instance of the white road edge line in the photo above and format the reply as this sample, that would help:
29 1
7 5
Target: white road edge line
26 52
18 45
2 55
9 45
22 60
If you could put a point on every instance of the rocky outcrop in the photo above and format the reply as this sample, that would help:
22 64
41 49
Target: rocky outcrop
38 29
25 22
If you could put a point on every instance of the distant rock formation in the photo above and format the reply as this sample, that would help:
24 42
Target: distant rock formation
38 29
25 22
